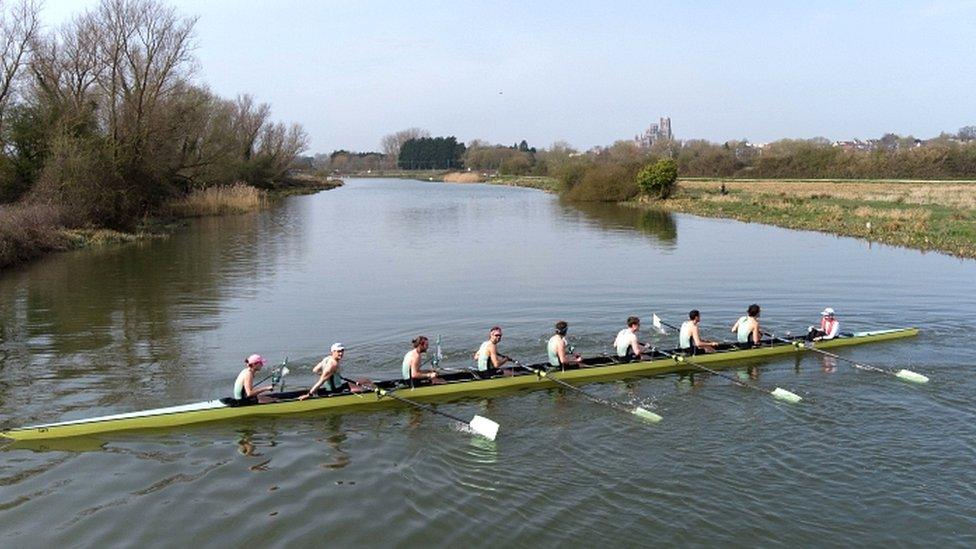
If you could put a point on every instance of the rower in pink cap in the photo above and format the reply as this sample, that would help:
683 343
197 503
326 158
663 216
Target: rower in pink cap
829 326
244 389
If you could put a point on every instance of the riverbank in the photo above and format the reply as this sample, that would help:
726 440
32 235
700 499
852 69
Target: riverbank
924 215
30 231
541 182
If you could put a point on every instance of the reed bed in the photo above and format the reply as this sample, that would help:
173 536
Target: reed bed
463 177
228 199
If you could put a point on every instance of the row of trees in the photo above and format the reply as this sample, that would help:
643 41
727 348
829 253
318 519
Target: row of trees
431 153
104 114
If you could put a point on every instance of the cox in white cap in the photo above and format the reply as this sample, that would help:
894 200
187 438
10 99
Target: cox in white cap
337 347
827 312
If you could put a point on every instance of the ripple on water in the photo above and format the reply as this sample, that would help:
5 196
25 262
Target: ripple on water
865 459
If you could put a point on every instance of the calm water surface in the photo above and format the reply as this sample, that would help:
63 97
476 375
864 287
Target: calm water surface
865 460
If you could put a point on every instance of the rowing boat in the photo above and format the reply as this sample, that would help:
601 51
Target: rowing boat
457 384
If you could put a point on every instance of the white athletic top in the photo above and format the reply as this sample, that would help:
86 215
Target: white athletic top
684 337
625 340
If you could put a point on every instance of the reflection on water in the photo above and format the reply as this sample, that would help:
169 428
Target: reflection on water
658 224
377 262
119 317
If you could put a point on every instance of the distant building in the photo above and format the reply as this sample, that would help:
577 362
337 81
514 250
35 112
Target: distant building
655 132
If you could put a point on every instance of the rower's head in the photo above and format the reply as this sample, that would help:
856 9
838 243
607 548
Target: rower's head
694 316
561 328
753 310
337 350
254 361
828 312
420 343
495 334
633 323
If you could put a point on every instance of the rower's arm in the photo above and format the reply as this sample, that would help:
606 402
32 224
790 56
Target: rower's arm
496 360
325 373
756 333
249 389
416 372
636 346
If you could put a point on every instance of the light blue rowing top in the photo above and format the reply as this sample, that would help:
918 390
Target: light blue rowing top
483 358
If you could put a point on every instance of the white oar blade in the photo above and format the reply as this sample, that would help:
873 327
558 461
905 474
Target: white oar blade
656 322
646 414
484 427
285 371
786 396
909 375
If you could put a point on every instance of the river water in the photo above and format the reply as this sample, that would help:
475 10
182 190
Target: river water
866 459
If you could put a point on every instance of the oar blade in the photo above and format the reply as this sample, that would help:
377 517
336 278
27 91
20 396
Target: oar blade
484 427
911 376
786 396
646 414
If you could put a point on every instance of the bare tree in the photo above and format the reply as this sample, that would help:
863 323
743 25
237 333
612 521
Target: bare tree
146 49
65 68
18 28
279 146
249 120
390 145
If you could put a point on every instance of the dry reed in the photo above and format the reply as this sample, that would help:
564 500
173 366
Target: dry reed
236 198
463 177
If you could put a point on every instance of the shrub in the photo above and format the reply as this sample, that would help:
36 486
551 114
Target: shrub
27 231
657 180
602 182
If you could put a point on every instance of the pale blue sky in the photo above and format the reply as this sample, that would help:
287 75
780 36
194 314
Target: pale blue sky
591 72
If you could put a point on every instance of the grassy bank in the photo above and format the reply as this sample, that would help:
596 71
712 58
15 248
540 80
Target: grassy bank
924 215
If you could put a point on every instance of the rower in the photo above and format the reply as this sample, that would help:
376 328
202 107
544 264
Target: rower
244 390
559 349
829 326
487 355
747 329
328 371
689 338
626 343
412 363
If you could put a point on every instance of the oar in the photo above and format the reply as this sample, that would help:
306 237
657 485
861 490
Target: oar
638 411
479 424
280 372
903 374
657 322
778 393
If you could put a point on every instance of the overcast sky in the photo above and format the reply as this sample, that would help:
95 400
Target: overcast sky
590 73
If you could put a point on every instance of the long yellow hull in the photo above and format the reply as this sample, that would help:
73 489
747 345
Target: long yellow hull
215 410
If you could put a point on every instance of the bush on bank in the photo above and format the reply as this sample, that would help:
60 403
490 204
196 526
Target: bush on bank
658 180
29 230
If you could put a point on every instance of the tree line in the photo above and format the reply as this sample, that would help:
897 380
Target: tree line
103 114
611 173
